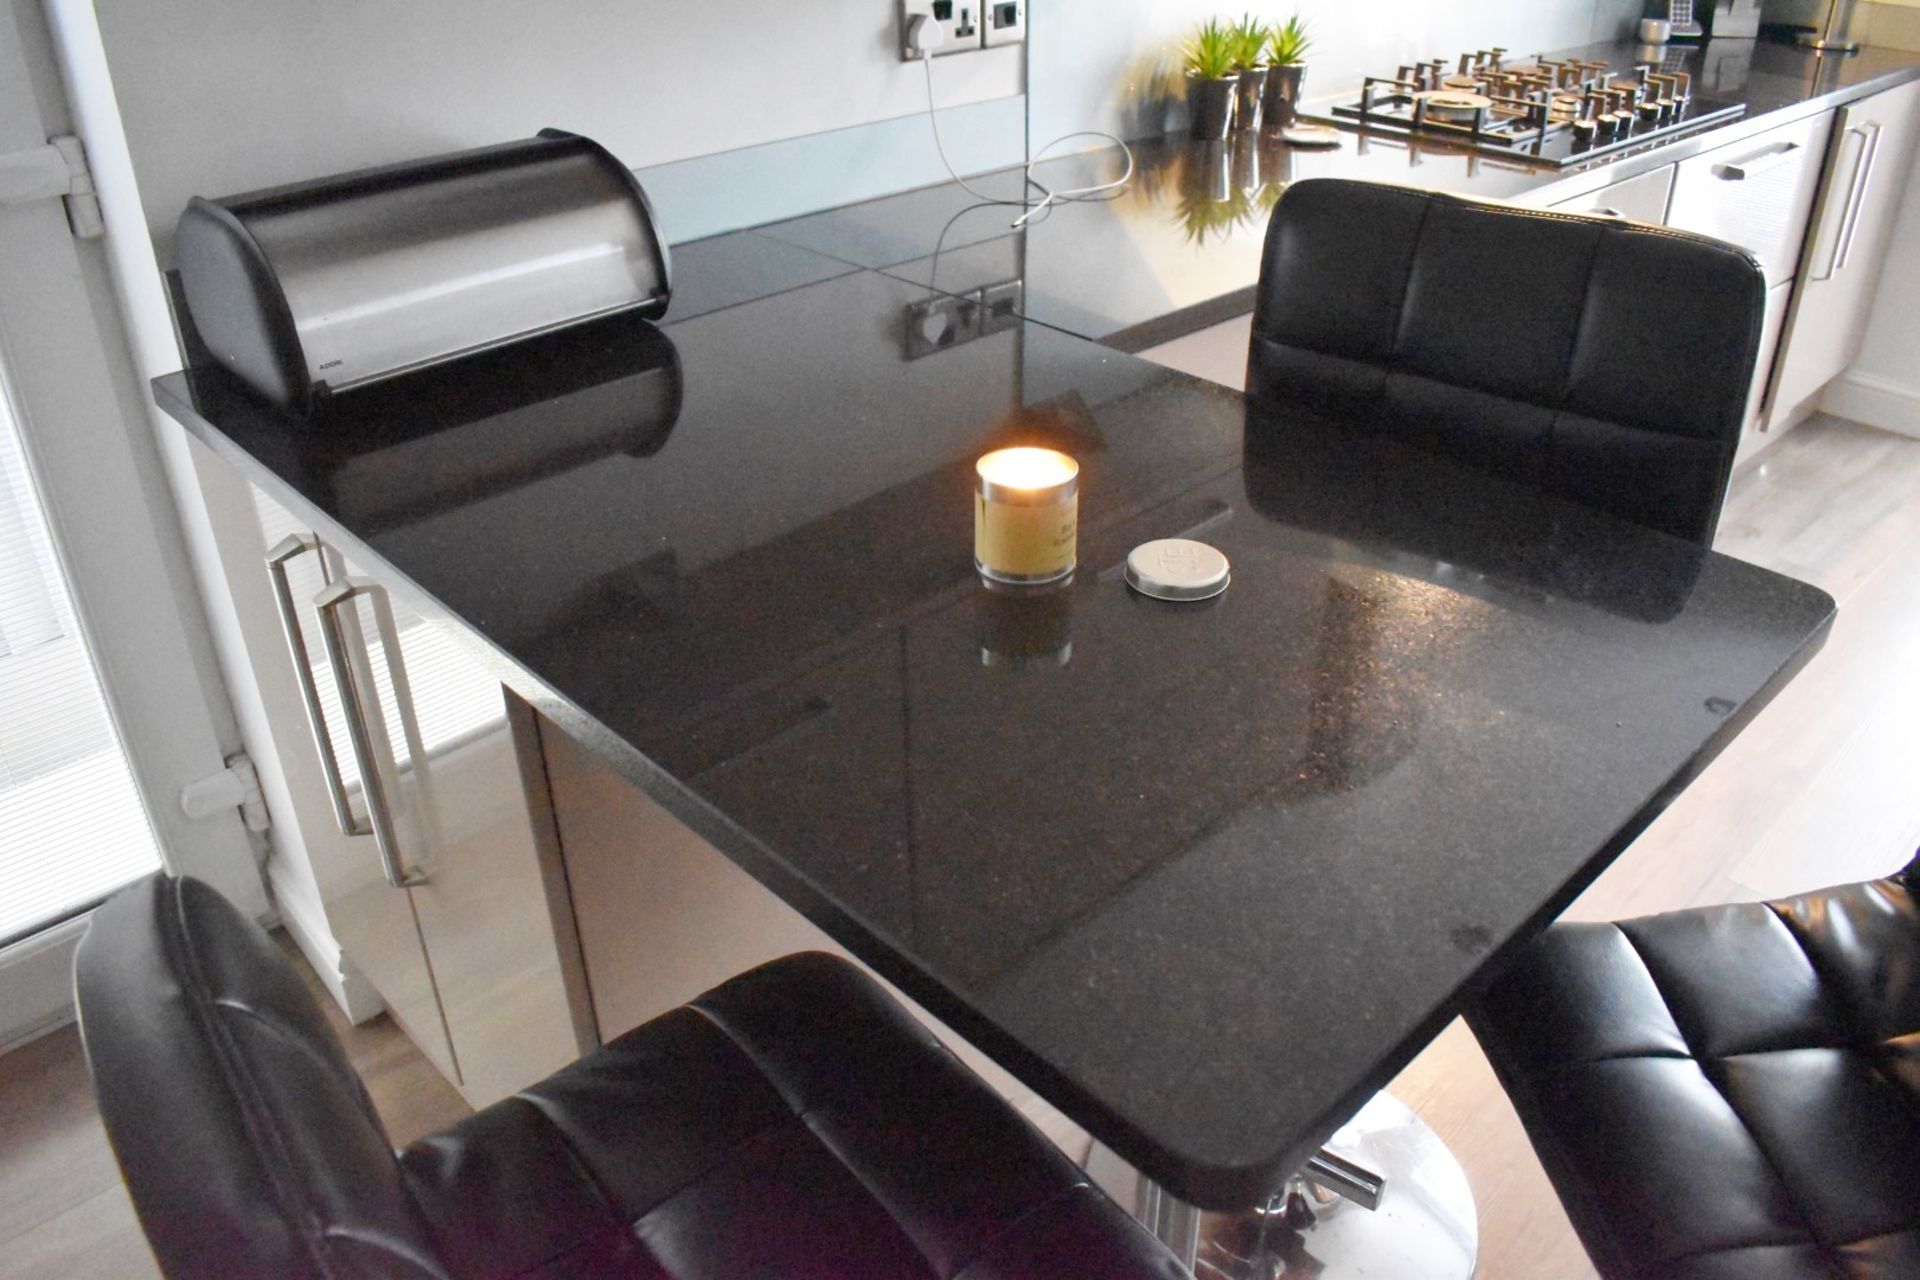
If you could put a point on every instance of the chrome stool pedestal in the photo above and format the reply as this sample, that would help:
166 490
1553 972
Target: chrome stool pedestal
1384 1198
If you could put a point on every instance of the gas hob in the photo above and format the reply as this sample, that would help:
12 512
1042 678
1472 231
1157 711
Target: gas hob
1556 112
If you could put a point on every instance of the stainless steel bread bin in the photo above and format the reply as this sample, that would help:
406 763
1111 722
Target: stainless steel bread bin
310 290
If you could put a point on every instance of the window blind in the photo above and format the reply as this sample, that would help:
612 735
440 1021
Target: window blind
72 825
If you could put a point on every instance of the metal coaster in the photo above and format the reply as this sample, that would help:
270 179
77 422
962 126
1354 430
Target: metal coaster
1177 569
1310 135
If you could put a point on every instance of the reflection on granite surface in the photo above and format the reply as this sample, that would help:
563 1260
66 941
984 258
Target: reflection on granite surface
1180 248
399 452
741 266
1390 498
1429 707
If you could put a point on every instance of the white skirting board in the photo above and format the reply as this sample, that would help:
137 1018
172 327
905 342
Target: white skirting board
306 923
1876 401
36 983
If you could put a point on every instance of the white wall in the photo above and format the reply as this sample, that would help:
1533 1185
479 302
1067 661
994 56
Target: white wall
1114 64
222 97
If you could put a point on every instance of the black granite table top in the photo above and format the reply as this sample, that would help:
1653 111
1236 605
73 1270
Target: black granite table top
1179 249
1204 875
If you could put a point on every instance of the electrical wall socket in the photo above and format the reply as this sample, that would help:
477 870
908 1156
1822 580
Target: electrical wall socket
960 18
970 24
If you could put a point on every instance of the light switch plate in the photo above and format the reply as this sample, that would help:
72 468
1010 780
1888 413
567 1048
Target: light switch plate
1003 21
1001 306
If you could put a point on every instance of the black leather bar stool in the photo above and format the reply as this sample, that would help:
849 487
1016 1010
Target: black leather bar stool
1604 361
1729 1091
793 1122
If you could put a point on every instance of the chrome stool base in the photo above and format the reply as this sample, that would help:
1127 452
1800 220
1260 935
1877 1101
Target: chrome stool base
1424 1228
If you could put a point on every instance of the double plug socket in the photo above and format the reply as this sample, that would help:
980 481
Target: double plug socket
969 25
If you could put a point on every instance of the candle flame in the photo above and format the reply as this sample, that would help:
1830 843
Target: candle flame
1027 468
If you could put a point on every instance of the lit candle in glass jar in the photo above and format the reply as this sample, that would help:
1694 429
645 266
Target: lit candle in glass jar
1026 513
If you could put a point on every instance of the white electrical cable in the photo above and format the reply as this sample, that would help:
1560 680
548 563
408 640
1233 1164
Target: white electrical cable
1049 197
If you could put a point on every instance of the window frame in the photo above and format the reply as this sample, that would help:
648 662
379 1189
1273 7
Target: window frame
80 409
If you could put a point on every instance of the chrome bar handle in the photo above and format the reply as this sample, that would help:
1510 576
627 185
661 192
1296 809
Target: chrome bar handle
287 550
427 812
346 653
1756 164
1859 204
1847 205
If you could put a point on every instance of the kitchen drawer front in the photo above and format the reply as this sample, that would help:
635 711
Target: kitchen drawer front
1643 199
1757 193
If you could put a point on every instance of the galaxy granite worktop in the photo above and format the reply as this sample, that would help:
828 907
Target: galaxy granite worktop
1180 248
732 556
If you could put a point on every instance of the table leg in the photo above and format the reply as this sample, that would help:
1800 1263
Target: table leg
1172 1220
1385 1198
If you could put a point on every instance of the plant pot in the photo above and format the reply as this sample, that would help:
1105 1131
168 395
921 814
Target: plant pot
1210 104
1246 107
1281 105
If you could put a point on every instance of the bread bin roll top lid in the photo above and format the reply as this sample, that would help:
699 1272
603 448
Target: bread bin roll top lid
318 288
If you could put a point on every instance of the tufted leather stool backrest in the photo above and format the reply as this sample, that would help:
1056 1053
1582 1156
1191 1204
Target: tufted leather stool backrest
248 1143
1604 361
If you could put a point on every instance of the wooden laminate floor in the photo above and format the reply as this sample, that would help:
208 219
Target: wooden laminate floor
1817 790
64 1214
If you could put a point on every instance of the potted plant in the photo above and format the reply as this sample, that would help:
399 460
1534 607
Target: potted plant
1250 36
1212 80
1287 46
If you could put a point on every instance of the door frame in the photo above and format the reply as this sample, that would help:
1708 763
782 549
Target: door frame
79 406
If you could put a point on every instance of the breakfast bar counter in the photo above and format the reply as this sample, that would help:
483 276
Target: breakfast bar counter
1203 875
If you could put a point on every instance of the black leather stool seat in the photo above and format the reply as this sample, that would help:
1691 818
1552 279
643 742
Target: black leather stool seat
1726 1092
792 1123
1602 361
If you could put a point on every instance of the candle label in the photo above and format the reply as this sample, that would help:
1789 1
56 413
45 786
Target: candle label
1032 543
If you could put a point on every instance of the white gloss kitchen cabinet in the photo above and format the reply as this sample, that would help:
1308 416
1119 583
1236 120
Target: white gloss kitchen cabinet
437 866
1868 160
1815 200
1641 199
